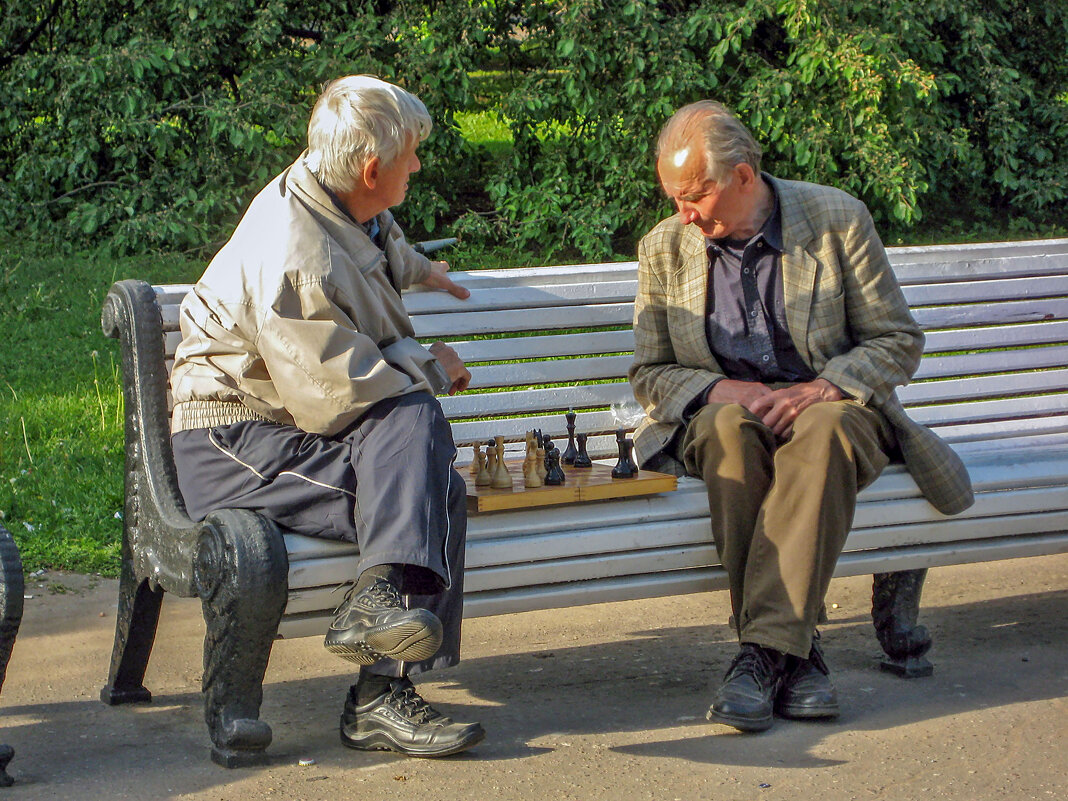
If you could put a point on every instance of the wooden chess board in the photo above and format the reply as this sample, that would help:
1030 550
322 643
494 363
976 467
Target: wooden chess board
583 484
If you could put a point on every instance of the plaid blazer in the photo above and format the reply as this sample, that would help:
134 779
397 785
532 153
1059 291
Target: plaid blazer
845 310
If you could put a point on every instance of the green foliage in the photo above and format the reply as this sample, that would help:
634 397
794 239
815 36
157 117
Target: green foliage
150 125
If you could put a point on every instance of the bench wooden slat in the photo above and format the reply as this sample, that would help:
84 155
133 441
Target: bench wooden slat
541 347
1016 311
550 372
990 433
464 324
1043 333
1002 361
423 304
987 386
535 400
1004 289
991 410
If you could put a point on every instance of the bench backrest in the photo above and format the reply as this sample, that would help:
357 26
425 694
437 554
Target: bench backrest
540 341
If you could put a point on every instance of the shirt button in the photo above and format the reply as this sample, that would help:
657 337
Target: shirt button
746 271
764 358
753 313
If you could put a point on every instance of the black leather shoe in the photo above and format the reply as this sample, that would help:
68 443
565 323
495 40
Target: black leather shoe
400 720
807 691
373 623
745 699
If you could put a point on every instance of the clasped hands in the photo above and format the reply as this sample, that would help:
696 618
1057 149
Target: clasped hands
776 408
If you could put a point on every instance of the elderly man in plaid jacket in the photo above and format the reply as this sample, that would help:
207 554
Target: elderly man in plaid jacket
770 334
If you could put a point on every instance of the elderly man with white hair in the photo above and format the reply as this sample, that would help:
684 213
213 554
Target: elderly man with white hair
300 392
770 335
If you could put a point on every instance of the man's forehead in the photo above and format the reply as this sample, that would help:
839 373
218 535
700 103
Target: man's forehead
684 167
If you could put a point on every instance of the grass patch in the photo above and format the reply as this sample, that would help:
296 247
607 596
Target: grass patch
61 415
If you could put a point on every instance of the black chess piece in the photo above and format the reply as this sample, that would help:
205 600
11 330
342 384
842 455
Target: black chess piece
629 453
570 452
582 459
554 476
625 467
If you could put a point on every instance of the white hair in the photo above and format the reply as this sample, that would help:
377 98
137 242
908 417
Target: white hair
357 118
725 140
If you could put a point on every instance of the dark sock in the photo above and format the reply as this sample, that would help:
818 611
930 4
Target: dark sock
394 574
370 686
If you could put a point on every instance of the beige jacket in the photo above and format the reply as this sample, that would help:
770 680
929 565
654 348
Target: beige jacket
847 317
296 320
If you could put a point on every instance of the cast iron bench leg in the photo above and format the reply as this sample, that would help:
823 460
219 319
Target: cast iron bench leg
11 603
895 608
240 574
135 632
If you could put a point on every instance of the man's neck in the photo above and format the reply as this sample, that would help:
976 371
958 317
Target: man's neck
763 205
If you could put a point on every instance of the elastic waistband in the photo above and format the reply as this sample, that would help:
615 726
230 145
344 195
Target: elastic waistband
210 413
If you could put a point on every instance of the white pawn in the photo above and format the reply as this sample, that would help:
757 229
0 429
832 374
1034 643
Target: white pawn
531 476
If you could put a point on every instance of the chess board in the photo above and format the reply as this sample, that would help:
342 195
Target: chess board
583 484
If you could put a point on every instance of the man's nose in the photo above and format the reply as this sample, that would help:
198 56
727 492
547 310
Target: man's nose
687 213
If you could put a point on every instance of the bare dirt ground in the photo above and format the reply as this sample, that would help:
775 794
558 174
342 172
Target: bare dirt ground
600 702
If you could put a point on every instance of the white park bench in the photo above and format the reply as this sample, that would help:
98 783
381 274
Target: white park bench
540 341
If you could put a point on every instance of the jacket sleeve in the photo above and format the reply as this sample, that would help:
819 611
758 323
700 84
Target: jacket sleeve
661 385
326 372
887 343
408 267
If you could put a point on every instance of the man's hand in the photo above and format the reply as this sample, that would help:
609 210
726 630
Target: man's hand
439 279
453 365
728 390
778 408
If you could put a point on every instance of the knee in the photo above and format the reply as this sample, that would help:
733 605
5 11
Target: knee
729 425
825 422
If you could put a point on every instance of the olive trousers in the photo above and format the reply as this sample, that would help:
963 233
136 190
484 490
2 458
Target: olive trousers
781 510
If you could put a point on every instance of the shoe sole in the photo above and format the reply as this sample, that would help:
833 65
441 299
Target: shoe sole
748 725
807 712
408 641
380 741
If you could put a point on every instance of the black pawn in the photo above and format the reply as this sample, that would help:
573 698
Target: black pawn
625 467
582 459
554 476
570 451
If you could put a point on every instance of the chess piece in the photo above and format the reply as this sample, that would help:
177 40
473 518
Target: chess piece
502 479
582 459
531 476
554 475
570 452
482 479
476 460
625 467
539 463
491 461
629 453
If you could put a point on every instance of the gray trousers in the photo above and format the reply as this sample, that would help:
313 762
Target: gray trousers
386 483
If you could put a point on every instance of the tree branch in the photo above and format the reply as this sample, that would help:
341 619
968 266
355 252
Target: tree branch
24 46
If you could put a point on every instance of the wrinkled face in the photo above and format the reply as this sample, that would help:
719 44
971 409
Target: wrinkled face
716 209
392 183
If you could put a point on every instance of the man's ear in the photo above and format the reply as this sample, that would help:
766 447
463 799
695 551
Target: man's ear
369 173
745 174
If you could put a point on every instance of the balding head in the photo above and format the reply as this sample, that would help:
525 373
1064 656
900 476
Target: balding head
706 132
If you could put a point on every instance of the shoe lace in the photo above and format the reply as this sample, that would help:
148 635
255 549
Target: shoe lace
755 662
384 593
409 703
